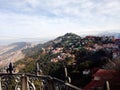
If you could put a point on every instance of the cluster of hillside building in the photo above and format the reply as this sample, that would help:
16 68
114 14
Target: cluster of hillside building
91 43
101 77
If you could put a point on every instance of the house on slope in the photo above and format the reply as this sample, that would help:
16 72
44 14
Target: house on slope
104 80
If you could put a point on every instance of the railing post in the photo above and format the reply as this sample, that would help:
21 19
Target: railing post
108 85
67 78
25 85
38 70
0 84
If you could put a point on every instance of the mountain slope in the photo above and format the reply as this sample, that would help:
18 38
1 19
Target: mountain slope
12 52
69 47
62 41
70 50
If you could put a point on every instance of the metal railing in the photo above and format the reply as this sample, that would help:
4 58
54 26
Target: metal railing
33 82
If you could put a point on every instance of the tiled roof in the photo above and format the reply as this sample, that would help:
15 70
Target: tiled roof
106 74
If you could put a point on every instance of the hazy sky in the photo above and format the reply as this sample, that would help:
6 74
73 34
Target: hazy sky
47 18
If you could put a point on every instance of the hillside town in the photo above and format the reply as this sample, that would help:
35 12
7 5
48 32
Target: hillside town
92 62
92 44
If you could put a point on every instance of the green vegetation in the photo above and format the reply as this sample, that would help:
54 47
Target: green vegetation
70 50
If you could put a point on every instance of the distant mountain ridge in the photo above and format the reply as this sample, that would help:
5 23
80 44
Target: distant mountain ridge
107 33
12 52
